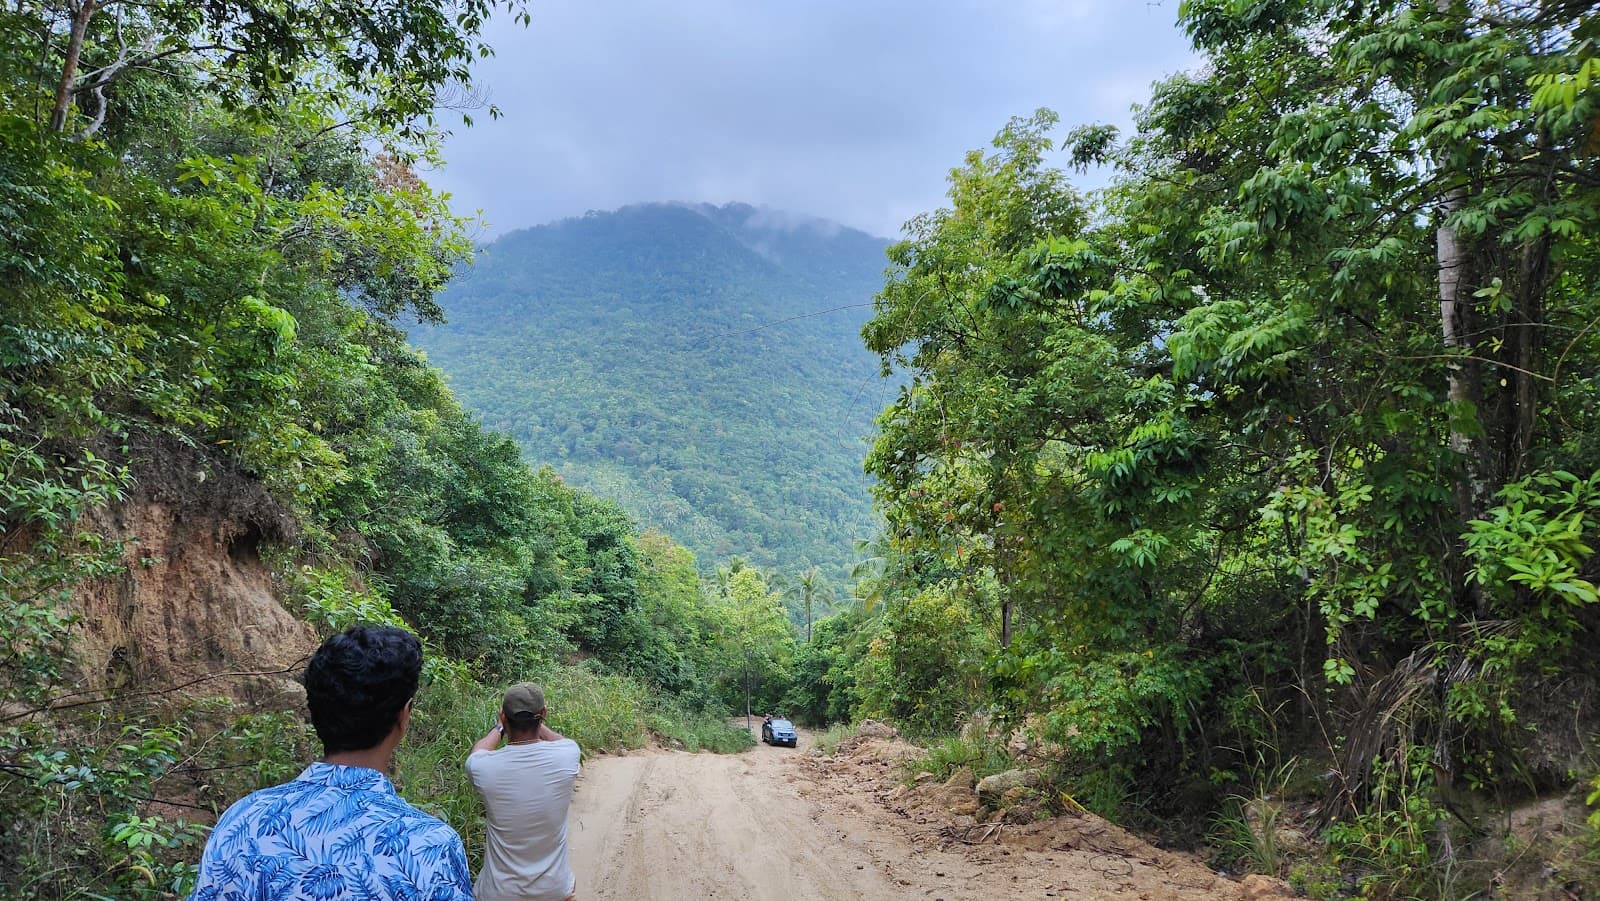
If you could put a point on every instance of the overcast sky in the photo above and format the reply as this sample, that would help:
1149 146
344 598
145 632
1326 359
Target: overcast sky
853 110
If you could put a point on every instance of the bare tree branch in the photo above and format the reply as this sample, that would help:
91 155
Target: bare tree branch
65 702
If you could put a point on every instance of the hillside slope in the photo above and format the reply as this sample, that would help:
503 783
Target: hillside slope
643 353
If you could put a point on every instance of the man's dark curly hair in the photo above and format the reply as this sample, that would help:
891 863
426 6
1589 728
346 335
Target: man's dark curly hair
357 683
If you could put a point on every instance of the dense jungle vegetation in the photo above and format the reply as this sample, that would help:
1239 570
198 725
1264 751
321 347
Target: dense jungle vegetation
212 242
1271 468
669 357
1259 485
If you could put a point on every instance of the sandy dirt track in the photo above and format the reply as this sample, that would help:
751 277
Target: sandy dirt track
773 823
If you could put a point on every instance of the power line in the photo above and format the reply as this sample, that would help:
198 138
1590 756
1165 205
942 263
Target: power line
848 306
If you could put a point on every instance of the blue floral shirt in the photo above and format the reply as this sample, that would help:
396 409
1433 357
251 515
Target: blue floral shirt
336 832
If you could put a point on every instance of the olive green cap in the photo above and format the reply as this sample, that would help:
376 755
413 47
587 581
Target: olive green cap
524 698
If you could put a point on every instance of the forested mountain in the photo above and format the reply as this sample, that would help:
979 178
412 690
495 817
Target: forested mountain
651 354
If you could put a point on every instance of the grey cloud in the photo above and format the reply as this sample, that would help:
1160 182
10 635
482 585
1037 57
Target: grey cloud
768 219
853 111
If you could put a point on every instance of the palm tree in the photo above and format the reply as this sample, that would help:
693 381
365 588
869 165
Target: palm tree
870 573
720 580
814 589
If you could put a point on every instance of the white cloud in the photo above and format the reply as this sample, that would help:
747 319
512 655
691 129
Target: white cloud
852 110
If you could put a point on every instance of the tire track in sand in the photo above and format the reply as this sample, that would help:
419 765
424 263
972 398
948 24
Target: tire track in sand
672 825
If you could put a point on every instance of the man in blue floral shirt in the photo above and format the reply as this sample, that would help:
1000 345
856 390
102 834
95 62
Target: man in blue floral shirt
339 830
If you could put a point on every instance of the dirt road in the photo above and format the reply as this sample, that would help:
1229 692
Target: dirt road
672 825
771 823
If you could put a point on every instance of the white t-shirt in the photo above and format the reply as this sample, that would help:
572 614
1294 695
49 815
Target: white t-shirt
526 790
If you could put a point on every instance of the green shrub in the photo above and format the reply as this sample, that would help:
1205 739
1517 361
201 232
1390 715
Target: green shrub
1247 827
1594 801
1321 881
153 857
972 749
71 798
1390 843
923 671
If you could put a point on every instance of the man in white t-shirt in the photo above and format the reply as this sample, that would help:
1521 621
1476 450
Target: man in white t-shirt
526 787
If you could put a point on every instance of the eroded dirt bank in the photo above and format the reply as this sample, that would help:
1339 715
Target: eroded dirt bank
774 823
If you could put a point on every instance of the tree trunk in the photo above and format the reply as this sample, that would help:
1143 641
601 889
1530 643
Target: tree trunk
1003 579
69 67
1463 390
1455 321
1533 277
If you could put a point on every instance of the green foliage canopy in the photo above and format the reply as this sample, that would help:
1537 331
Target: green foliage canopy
1301 407
206 262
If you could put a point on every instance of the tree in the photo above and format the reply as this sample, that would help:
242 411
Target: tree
1418 211
982 294
390 64
814 591
755 633
871 575
824 672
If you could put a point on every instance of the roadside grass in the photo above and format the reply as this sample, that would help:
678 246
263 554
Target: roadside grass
697 730
827 741
1247 829
448 715
601 712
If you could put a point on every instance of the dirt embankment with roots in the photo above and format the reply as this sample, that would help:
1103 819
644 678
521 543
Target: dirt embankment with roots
194 610
195 607
774 823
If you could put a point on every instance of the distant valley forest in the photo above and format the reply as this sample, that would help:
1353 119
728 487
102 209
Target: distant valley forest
700 365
